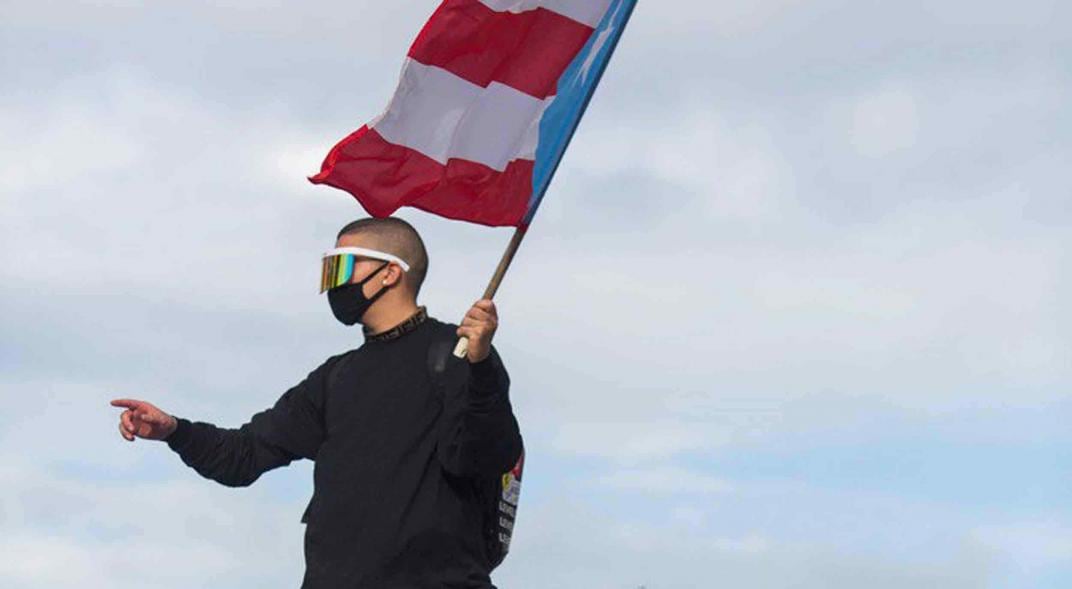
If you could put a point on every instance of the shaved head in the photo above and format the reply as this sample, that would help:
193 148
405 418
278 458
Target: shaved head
394 236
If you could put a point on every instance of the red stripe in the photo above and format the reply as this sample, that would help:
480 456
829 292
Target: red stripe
383 176
527 51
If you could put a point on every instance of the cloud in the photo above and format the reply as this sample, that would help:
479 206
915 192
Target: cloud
593 546
109 533
664 480
884 122
74 144
634 442
1030 545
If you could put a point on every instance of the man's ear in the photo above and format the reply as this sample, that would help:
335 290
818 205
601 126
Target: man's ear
393 276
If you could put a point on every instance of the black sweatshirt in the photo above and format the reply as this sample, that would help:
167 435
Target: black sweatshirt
398 460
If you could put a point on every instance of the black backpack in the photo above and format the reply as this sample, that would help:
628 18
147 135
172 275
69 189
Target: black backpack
498 494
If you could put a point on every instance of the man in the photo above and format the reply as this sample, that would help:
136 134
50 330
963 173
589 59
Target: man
406 437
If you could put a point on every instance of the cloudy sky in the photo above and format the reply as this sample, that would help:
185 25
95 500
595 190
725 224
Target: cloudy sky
790 314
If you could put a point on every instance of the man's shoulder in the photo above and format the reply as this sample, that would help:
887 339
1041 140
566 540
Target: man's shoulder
439 327
337 358
330 367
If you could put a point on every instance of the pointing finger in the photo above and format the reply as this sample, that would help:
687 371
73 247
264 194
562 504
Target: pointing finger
128 403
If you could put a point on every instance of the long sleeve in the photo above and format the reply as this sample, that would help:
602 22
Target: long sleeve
481 436
291 429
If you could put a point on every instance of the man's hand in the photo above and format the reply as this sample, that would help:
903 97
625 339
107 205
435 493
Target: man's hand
479 326
143 420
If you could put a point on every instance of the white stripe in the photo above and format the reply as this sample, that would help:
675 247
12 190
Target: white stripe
361 251
588 12
445 116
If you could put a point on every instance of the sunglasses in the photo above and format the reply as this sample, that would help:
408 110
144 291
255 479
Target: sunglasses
337 265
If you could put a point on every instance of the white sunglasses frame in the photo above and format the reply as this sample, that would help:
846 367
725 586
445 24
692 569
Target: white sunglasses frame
368 253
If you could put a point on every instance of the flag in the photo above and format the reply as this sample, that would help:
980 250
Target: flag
490 94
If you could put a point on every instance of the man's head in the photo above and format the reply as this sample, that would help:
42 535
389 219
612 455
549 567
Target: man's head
394 236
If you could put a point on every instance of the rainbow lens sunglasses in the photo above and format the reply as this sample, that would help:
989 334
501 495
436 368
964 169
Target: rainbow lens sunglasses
338 264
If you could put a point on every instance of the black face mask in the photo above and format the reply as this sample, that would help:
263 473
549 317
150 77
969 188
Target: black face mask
349 303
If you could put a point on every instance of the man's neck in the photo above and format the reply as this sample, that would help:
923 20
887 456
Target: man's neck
378 320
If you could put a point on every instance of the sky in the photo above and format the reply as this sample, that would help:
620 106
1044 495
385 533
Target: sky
789 316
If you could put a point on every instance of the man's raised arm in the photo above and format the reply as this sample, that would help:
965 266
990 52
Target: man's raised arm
481 436
291 429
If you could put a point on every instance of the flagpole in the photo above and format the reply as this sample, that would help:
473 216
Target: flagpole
462 347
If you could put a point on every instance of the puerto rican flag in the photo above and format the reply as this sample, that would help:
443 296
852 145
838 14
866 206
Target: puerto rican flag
489 97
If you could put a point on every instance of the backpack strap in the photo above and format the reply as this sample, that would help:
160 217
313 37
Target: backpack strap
438 355
497 494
